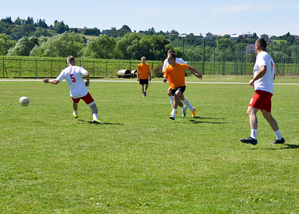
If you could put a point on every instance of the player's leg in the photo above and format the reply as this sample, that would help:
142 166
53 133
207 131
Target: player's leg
177 96
268 116
146 87
251 112
94 109
75 107
142 89
187 103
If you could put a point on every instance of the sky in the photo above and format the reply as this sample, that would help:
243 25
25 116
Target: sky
271 17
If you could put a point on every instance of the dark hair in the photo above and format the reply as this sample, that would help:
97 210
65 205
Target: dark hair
261 43
170 51
71 59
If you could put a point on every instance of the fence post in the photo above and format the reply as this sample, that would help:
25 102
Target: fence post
3 67
203 56
20 67
35 68
51 68
93 68
106 68
130 65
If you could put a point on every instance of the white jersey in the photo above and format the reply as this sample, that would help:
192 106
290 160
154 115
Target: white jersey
177 60
73 76
265 83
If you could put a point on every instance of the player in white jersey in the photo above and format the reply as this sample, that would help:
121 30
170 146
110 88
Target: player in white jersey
184 99
78 89
262 82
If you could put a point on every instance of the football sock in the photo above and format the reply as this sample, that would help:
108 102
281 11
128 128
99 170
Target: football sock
76 112
278 135
253 133
171 99
95 116
183 107
173 112
188 104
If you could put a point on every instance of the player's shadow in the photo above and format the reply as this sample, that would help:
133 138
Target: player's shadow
206 118
103 123
282 146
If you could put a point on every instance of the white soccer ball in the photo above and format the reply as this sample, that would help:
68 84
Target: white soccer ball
24 101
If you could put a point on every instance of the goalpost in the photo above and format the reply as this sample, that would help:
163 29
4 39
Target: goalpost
287 57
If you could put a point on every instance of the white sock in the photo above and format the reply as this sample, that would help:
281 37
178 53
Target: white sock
95 116
253 133
171 100
76 112
173 112
278 135
183 107
188 104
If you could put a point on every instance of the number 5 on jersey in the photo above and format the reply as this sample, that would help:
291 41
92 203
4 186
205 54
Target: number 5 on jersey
73 78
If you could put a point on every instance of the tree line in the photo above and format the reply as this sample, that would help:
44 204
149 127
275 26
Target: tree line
34 39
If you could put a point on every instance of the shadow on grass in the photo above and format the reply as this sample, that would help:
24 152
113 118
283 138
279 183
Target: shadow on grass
206 118
282 146
103 123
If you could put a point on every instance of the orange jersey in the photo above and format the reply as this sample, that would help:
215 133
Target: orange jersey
143 70
176 75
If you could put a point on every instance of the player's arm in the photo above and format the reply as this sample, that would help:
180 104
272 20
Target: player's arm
195 72
55 81
87 77
260 74
138 75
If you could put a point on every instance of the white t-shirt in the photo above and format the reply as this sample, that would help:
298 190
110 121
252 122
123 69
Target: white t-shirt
177 60
265 83
73 76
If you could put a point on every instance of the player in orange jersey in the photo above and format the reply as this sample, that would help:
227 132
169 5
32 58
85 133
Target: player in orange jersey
143 74
175 74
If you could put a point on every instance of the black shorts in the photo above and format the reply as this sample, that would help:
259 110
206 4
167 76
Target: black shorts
143 81
181 88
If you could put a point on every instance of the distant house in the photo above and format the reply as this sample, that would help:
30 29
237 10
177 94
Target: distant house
247 35
198 35
183 35
209 36
296 36
265 37
234 36
250 48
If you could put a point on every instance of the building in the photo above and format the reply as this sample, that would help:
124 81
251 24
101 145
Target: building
234 36
265 37
209 36
250 48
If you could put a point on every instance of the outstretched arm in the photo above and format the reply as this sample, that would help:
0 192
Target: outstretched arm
195 72
55 81
87 77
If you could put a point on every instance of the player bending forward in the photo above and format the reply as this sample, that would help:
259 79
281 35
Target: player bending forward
73 75
175 73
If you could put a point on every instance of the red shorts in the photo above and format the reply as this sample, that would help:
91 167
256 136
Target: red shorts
87 99
261 100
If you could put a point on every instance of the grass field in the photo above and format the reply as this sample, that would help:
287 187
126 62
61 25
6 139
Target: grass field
140 161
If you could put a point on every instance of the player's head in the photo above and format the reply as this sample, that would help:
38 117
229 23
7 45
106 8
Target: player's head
70 60
171 58
261 44
170 51
143 59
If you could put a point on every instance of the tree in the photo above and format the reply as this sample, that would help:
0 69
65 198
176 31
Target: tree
23 46
60 27
5 44
102 47
61 45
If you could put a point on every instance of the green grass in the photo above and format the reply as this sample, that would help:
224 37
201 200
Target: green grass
139 161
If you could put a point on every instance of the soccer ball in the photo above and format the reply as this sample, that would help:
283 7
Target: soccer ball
24 101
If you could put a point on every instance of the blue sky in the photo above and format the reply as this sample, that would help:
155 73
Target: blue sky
272 17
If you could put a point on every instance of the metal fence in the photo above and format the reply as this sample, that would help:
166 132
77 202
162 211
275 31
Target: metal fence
29 67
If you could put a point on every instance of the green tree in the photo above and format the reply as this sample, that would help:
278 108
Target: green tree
23 46
5 44
61 45
102 47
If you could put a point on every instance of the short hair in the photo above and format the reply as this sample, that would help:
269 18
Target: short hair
170 51
70 59
172 56
143 58
261 43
